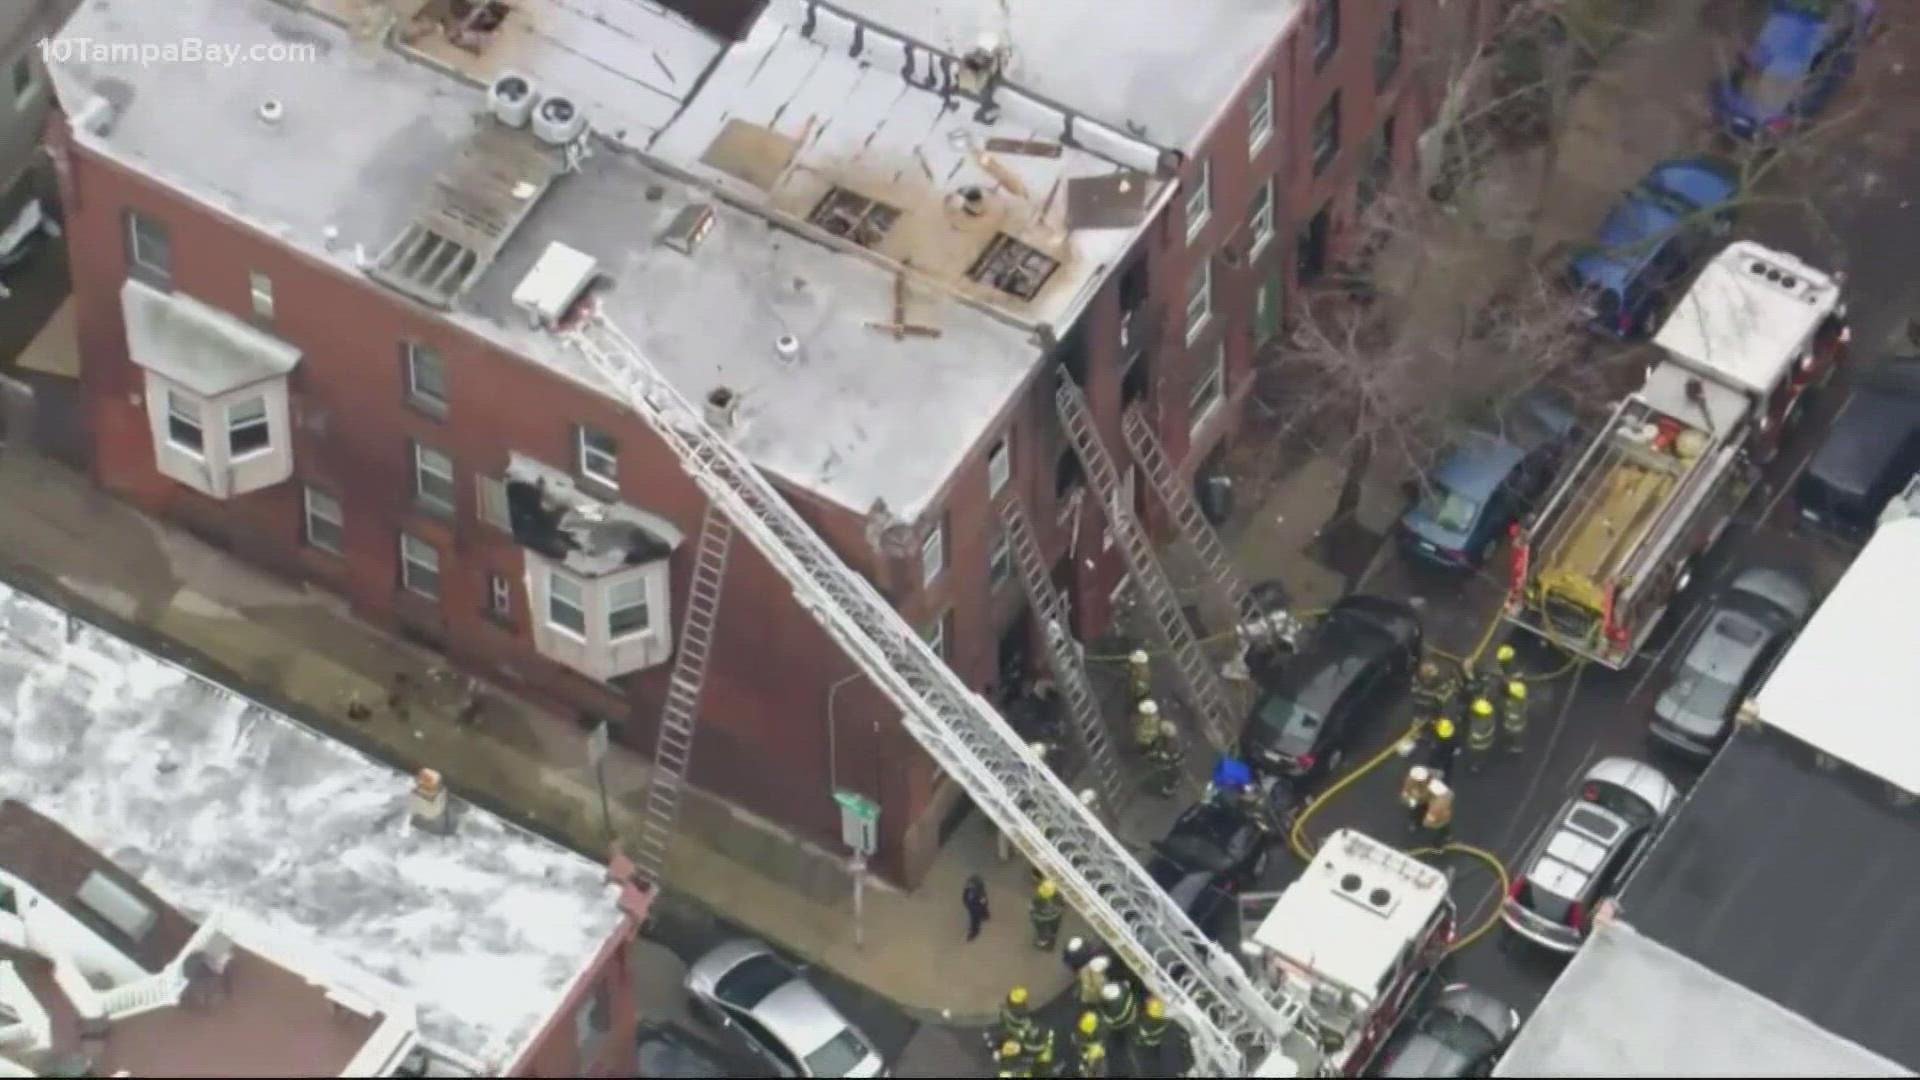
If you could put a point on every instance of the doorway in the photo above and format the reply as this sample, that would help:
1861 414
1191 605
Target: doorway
1311 249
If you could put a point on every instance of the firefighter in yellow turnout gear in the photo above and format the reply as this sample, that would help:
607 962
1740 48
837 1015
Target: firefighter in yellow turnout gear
1047 914
1146 727
1015 1020
1163 759
1513 721
1481 732
1149 1036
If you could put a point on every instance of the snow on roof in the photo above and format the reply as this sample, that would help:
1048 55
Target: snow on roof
1629 1006
1166 71
226 804
1350 915
1846 687
364 131
849 122
1749 315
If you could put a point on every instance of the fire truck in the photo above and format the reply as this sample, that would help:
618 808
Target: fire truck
1358 936
1622 531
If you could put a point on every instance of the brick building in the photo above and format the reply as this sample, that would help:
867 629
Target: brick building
194 885
297 288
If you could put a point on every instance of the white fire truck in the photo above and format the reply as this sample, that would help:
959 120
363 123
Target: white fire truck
1358 937
1622 531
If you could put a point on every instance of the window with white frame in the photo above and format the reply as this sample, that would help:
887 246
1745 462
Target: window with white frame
183 423
149 248
1260 220
426 376
567 603
1199 299
1200 200
499 596
326 524
260 289
933 554
432 479
1209 390
1260 116
627 609
247 431
598 456
999 561
419 566
999 464
935 634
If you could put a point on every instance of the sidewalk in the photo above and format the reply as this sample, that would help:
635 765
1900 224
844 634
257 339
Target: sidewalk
298 650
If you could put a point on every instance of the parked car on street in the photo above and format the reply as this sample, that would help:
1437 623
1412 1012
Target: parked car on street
1488 481
1649 241
672 1053
1804 51
1462 1033
1870 451
1588 853
750 991
1745 631
1214 850
1354 661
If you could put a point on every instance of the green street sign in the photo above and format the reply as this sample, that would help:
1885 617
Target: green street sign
857 804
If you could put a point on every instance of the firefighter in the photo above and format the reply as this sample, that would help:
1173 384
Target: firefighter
1118 1008
1139 675
1444 747
1046 915
1011 1060
1092 978
1503 662
1432 692
1087 1032
1164 759
1015 1021
1149 1036
1413 794
1076 954
1038 1050
1093 1060
1437 823
1514 719
1146 727
1048 753
1480 732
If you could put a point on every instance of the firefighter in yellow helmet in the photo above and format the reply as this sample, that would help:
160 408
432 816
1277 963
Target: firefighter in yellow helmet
1015 1019
1087 1032
1047 914
1093 1060
1149 1035
1513 721
1503 661
1011 1060
1481 729
1443 745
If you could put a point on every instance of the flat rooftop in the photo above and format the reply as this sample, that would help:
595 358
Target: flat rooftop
1847 686
1800 884
363 133
1164 71
216 802
1629 1006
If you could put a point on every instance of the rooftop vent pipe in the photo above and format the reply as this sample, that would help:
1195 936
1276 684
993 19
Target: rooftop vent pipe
787 348
428 804
723 408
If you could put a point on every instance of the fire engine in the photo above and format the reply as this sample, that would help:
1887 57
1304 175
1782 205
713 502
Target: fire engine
1358 937
1622 531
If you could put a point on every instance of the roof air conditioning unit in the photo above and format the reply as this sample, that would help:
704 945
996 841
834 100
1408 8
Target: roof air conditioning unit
558 121
553 285
511 99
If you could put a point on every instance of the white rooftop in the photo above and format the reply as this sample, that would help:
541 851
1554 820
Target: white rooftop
1162 69
1628 1006
823 119
1748 315
1847 686
1350 915
364 132
217 802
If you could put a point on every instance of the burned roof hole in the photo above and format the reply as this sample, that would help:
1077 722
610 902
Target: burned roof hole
852 216
1350 883
1013 267
467 24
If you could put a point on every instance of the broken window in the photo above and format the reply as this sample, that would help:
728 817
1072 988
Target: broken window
470 24
1013 267
1326 133
1066 473
854 217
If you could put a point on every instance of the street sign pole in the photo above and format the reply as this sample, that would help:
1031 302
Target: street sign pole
859 819
597 741
859 899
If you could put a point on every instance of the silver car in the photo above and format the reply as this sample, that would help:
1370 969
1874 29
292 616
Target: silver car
1463 1033
1588 853
746 987
1744 633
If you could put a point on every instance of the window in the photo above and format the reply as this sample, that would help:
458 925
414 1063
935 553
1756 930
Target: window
499 596
1326 30
183 423
432 479
627 609
935 634
599 457
8 903
23 81
149 251
326 525
419 567
1326 133
1066 473
566 604
1200 200
1260 116
999 562
999 465
1260 220
1386 55
260 288
426 377
1266 307
853 216
1209 390
1199 299
933 554
1379 171
247 427
1013 267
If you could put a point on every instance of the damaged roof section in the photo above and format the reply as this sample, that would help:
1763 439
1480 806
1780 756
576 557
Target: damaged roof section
590 536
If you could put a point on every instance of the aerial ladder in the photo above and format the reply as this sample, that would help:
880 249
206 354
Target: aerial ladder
1235 1027
1064 658
1201 684
673 749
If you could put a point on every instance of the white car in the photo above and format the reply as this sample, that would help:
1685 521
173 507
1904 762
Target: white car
746 988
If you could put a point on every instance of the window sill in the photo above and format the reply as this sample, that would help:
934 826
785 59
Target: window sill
146 275
435 411
578 637
434 510
499 619
241 459
1254 146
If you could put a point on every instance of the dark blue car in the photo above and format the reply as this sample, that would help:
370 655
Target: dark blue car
1802 54
1649 240
1487 482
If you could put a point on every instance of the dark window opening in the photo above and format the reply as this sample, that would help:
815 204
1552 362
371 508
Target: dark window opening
1072 354
1311 253
1013 267
1135 382
1379 171
1326 30
1133 286
1326 133
1066 473
854 217
1386 59
8 903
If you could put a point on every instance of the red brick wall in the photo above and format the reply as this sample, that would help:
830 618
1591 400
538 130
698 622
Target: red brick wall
557 1050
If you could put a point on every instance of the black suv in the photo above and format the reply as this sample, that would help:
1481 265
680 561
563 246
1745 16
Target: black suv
1214 850
1357 659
